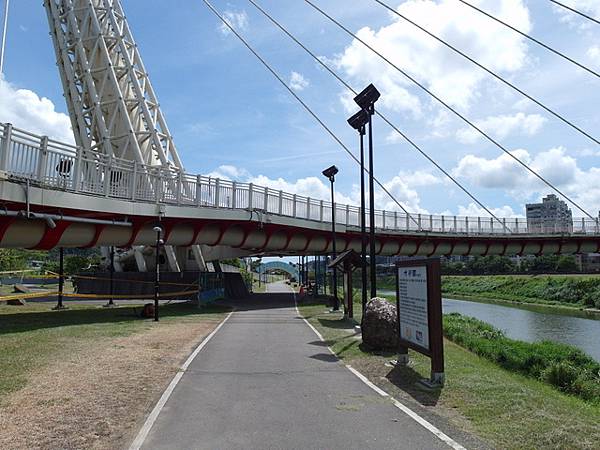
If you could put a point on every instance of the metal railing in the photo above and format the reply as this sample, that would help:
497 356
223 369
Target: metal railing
56 165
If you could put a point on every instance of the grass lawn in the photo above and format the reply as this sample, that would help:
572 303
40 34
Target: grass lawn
504 409
33 335
9 289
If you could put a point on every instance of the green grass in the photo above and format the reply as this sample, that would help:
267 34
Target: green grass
565 367
32 335
504 408
581 291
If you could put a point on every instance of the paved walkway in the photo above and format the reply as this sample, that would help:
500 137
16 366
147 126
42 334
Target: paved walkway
265 381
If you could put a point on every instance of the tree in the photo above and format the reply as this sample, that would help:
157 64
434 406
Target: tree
452 268
487 265
541 264
76 263
12 259
566 264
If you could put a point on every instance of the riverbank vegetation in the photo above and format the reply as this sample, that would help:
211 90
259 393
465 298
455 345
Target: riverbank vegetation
501 265
565 367
505 408
579 291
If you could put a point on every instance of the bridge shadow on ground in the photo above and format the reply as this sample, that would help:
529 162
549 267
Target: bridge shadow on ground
15 321
260 301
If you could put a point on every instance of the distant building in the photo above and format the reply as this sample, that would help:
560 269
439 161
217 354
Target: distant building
551 216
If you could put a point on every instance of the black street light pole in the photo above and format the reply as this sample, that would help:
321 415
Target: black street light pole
111 274
330 173
158 230
373 266
366 100
358 122
61 279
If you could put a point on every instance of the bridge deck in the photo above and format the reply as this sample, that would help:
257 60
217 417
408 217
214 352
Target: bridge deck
266 381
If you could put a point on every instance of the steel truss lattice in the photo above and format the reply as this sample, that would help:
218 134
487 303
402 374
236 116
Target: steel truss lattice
112 105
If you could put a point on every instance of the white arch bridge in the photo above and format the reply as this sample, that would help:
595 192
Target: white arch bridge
54 194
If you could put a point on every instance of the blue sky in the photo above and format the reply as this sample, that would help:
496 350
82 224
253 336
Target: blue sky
229 116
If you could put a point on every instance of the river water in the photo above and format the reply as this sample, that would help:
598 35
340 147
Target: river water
532 323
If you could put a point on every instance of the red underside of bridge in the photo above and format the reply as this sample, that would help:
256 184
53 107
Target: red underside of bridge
52 236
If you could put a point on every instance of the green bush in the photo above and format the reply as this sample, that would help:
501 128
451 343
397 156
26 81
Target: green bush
563 366
561 374
582 291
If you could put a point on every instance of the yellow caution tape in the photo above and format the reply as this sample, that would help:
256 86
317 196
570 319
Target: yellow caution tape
132 297
164 283
26 296
94 296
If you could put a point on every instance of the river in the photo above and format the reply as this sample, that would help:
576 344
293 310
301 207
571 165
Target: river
532 324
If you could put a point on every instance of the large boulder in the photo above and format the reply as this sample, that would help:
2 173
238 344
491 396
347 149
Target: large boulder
380 325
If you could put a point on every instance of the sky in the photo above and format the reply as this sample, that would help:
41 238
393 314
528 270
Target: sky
230 117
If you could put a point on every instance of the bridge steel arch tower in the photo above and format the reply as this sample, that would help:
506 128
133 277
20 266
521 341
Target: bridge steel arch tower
112 104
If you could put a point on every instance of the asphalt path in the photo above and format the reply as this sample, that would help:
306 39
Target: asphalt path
265 381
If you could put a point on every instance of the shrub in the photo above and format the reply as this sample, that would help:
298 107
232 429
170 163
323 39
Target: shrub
562 366
561 374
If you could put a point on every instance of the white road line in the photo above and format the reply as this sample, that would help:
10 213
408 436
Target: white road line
405 409
365 380
143 433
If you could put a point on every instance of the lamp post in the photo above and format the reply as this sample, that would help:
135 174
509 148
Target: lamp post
259 271
330 173
358 122
158 230
111 274
366 101
61 279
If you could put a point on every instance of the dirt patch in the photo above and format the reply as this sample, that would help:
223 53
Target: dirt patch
97 395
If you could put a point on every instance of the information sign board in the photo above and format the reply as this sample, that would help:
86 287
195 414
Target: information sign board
413 300
419 309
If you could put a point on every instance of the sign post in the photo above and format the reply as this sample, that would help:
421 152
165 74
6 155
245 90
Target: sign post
419 309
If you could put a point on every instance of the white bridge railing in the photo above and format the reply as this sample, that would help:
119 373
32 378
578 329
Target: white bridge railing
56 165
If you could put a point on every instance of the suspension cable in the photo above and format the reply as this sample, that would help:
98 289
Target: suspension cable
308 109
531 38
582 14
385 119
3 35
453 110
492 73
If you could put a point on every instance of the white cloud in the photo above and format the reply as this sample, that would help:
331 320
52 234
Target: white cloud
429 61
474 210
312 187
590 7
25 109
501 172
588 152
502 126
420 178
298 82
560 169
400 189
504 172
593 54
401 186
229 172
237 19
